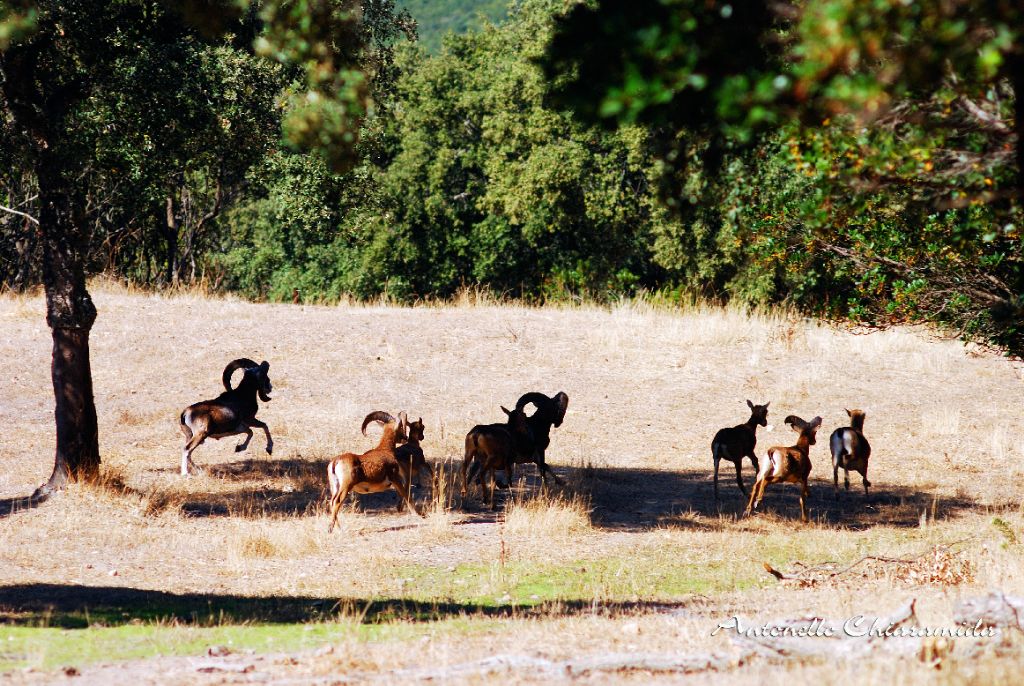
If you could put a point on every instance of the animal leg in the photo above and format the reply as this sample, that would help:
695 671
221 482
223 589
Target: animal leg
425 467
739 478
482 475
846 478
336 501
866 482
760 493
805 491
403 493
835 478
257 424
753 495
717 460
545 470
470 466
492 482
244 444
186 454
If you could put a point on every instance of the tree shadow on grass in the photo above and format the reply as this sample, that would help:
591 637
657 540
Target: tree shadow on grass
622 498
10 506
76 607
306 492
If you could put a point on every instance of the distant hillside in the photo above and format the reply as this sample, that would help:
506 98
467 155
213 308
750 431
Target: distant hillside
439 17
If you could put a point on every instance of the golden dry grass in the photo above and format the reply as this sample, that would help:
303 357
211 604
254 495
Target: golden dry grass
648 388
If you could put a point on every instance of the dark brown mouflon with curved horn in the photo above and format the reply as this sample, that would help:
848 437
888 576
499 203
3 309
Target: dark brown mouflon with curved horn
231 413
550 412
374 471
736 442
850 450
792 464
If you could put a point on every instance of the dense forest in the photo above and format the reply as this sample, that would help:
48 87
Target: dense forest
437 18
857 161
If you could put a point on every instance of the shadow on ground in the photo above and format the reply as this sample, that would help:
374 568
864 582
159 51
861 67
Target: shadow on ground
636 499
621 498
73 607
10 506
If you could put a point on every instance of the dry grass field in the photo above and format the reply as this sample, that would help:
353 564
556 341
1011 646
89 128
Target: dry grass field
621 575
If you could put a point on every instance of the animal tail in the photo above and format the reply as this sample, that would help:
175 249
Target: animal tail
772 465
332 479
840 448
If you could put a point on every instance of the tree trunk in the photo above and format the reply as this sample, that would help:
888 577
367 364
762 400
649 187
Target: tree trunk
171 235
1016 63
70 313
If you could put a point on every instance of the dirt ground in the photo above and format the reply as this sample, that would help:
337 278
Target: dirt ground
634 558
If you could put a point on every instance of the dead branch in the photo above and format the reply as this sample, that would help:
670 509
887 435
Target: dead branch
984 118
837 644
996 609
805 574
20 214
542 667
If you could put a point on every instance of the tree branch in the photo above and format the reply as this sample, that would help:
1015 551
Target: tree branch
985 118
20 214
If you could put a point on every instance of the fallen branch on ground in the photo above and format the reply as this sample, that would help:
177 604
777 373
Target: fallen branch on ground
810 575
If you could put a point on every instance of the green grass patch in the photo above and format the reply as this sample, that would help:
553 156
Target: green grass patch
651 576
52 648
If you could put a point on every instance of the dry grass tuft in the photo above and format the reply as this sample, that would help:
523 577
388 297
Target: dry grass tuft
543 514
258 546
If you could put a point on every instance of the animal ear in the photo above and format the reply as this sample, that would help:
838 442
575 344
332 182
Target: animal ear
815 423
750 404
767 404
506 410
850 414
265 366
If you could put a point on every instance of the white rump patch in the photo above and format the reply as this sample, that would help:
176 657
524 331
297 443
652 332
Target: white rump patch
773 465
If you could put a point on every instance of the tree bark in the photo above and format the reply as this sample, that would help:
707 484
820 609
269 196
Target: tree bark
171 236
1016 63
70 313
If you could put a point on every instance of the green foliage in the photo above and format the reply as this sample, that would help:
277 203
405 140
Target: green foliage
1003 527
477 182
849 155
437 18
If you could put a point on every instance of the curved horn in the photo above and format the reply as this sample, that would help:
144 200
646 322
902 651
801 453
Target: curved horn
561 404
795 422
261 391
240 363
538 399
377 416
